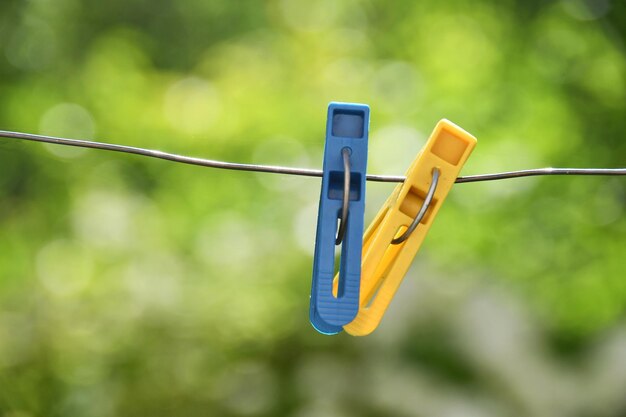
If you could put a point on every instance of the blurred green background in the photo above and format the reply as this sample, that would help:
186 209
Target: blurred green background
138 287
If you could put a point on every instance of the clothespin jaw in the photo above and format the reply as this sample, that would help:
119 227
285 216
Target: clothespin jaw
347 131
384 264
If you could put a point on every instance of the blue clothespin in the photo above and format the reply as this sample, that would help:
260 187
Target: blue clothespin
340 218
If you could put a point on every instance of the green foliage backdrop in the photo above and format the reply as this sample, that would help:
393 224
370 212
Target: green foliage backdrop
134 287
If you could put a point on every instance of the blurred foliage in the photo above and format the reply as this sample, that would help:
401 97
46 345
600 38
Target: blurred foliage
132 287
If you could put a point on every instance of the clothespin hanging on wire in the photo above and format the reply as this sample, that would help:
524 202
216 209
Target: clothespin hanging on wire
398 230
340 218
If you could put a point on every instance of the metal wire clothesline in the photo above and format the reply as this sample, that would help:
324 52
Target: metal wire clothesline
273 169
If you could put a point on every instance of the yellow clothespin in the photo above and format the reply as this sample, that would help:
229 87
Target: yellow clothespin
392 240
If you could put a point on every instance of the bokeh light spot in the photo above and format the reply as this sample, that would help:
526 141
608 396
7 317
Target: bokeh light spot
68 120
64 267
32 46
192 105
304 15
586 9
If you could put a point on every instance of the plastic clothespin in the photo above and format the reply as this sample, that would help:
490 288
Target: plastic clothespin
340 219
398 230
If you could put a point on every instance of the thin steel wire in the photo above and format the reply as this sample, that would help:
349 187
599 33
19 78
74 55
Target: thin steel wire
422 211
343 221
294 171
